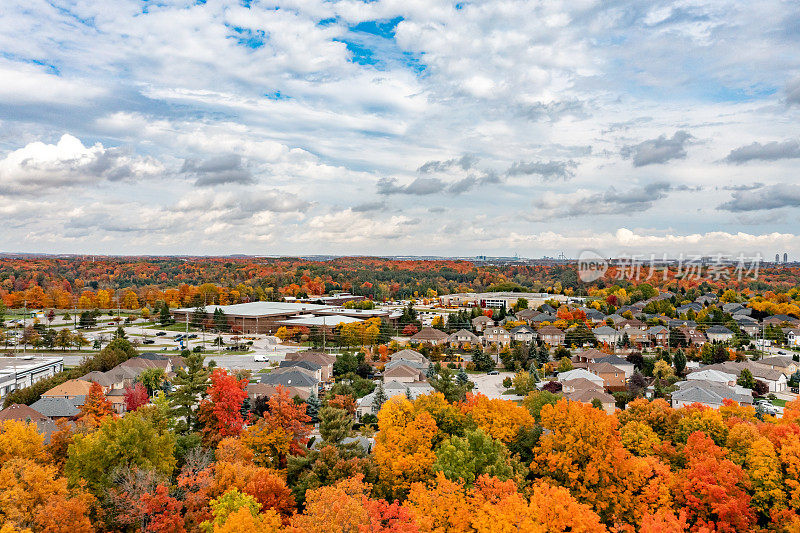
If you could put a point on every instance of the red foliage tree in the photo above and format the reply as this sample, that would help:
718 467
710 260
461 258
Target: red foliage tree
161 512
221 412
410 330
135 397
712 490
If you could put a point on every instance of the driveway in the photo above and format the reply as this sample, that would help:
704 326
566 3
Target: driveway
491 386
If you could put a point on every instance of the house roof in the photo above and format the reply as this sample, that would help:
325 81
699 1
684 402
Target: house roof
710 374
604 368
308 365
22 413
587 395
580 373
290 378
101 378
411 355
401 370
550 330
462 333
429 334
708 393
591 353
72 387
322 359
777 360
615 360
522 329
254 390
719 330
605 330
494 330
483 319
581 383
58 407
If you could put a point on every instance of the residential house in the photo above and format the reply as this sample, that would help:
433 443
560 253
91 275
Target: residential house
607 335
410 355
780 320
527 314
707 299
430 335
782 363
73 388
580 373
313 368
23 413
496 335
683 309
793 337
693 335
292 377
732 307
462 338
523 333
775 379
403 373
613 376
551 335
479 323
708 393
658 336
719 334
747 325
58 407
324 360
366 405
257 390
635 329
590 395
542 318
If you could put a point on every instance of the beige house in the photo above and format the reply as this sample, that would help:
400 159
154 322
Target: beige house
496 335
430 335
482 322
403 373
551 335
462 337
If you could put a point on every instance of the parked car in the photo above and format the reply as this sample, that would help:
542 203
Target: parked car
161 333
148 341
493 373
192 336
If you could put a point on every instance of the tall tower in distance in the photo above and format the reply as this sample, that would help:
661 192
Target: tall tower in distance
777 258
785 257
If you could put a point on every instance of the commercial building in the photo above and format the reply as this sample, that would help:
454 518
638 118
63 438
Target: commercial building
267 317
502 299
20 372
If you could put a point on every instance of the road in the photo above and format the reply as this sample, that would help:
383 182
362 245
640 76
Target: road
491 386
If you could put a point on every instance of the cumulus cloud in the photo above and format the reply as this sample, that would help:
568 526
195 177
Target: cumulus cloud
39 167
367 207
548 169
218 170
611 201
659 150
464 162
771 151
554 111
765 198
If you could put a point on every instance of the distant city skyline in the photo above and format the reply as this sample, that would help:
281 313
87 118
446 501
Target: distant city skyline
400 128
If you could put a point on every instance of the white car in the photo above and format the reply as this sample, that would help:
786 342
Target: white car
262 358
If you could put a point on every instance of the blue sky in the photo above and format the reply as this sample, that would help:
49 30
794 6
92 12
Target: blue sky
389 127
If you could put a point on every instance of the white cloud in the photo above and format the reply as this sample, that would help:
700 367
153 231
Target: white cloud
40 168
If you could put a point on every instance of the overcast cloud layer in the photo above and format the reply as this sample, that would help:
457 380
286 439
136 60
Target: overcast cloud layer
400 127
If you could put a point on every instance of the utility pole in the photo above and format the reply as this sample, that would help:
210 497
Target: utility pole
24 317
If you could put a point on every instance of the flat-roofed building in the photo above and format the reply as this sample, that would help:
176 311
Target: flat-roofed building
20 372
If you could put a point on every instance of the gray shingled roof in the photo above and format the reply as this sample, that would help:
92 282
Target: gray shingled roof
58 407
292 378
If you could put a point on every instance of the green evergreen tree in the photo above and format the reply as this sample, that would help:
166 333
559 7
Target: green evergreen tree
679 361
380 398
313 406
191 384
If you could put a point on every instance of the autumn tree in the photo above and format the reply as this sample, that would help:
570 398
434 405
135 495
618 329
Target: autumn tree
96 406
466 458
136 397
712 490
221 413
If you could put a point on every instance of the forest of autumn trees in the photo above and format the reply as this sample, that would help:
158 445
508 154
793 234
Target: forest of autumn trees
477 465
133 283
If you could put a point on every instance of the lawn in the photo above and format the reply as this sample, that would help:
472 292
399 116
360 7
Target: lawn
779 403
